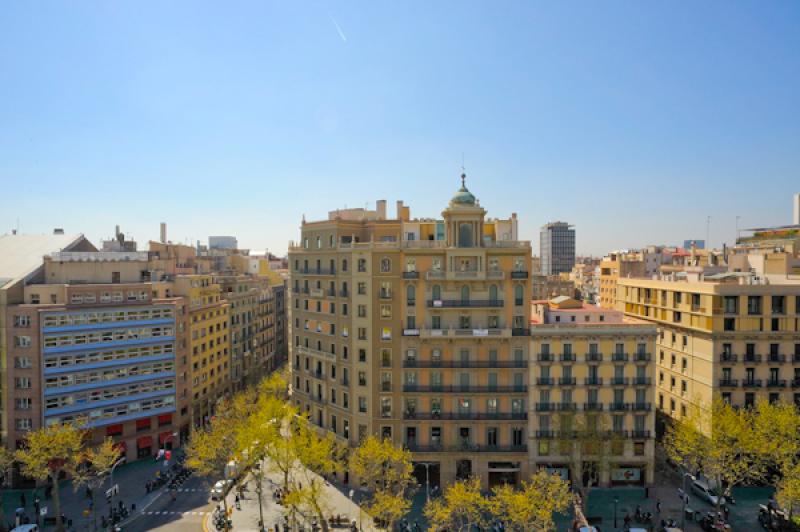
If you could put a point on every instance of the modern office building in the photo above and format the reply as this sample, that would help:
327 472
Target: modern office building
222 242
416 330
591 394
733 333
92 343
557 248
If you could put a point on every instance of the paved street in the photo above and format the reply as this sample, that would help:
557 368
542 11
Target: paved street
246 519
185 513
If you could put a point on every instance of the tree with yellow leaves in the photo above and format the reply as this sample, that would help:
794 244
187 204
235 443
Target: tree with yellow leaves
213 447
93 468
317 456
778 430
387 471
723 444
461 508
49 452
532 506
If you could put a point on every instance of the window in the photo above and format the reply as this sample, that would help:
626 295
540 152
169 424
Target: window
493 293
411 295
22 362
362 405
362 265
730 324
344 265
386 290
386 265
778 304
23 423
362 355
386 312
362 311
386 407
22 341
731 304
753 305
22 383
22 403
436 293
22 321
518 294
411 264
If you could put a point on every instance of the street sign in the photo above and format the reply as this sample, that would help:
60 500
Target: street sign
113 490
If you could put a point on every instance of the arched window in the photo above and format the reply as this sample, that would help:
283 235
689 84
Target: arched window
518 294
386 265
319 242
411 294
333 266
344 288
493 293
464 294
437 292
465 235
344 265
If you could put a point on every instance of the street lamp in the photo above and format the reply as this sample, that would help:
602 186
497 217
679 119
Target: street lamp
111 477
685 498
427 466
616 500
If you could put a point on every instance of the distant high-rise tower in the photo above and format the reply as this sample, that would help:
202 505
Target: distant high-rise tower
796 205
557 248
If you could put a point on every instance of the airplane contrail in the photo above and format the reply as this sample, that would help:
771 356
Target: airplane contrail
341 33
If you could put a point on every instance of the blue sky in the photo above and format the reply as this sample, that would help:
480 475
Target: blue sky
633 120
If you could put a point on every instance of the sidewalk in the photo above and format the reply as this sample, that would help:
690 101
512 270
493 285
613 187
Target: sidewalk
130 478
246 519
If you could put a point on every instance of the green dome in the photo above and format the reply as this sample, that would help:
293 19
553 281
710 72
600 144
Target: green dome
463 196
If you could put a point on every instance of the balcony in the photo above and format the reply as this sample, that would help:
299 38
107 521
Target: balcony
434 274
410 332
594 357
619 381
519 275
593 381
619 407
386 386
449 388
728 357
545 357
751 383
317 271
567 407
496 275
465 364
775 358
593 407
519 331
344 293
751 358
796 383
318 375
776 383
460 416
466 447
641 407
546 407
796 357
641 381
640 434
546 434
567 381
465 303
728 383
567 357
410 275
545 381
345 381
642 357
619 357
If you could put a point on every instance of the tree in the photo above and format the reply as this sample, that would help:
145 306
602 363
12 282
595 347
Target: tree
532 507
93 467
317 455
263 432
583 438
460 508
778 431
788 492
6 461
50 452
216 445
723 444
387 471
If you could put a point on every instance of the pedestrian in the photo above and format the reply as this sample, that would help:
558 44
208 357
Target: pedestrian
658 506
726 511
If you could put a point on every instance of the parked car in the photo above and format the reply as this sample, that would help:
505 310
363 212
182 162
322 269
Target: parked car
26 528
702 490
219 489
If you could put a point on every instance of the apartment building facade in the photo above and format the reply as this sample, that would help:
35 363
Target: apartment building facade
417 331
734 335
251 327
592 419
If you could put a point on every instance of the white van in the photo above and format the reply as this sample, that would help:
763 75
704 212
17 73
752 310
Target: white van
702 490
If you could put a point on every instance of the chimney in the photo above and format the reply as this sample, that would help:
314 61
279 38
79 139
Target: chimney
163 233
380 207
400 209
